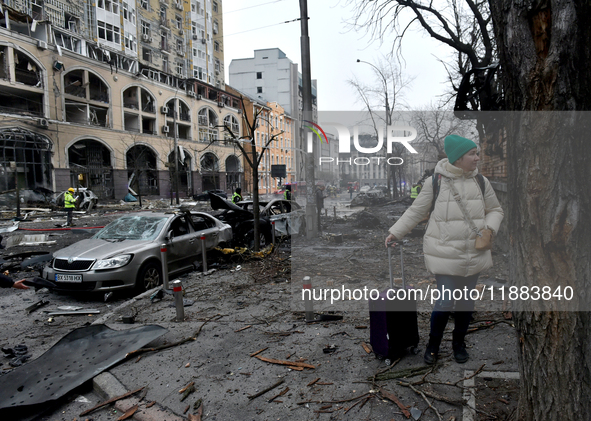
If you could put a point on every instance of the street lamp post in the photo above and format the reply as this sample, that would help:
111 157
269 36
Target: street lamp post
388 116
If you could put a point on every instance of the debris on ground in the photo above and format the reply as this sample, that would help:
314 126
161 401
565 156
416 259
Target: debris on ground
366 219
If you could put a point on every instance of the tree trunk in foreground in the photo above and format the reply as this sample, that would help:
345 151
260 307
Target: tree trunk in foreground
544 50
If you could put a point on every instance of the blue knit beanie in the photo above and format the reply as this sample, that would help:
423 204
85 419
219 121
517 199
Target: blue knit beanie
456 146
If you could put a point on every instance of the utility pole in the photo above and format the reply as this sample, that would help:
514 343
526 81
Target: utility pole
311 224
176 152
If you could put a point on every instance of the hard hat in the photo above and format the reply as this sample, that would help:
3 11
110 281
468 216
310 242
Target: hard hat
71 189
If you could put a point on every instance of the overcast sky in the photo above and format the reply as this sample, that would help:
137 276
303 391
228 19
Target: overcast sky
256 24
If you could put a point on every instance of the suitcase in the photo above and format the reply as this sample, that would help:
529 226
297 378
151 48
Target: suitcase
393 323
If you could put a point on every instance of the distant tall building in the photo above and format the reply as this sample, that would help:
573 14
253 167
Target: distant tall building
271 76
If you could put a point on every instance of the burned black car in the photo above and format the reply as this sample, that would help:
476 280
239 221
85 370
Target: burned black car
241 219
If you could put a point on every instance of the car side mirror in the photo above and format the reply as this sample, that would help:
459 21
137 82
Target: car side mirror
169 235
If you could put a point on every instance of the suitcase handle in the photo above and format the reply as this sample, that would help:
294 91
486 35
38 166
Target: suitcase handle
401 266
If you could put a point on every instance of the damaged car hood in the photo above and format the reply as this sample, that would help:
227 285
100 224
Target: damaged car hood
218 202
97 248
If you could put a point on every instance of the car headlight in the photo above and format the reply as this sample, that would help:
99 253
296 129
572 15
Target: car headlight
112 263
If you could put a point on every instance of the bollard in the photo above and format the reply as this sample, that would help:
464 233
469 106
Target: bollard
177 291
309 305
335 212
273 232
204 253
325 211
402 264
163 257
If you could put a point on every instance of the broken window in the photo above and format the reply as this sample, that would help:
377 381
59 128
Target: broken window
17 69
24 156
141 170
208 120
210 162
232 172
184 168
134 227
25 70
67 42
231 123
90 167
85 86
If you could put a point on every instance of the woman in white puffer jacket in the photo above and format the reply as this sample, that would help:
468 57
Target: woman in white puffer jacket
448 243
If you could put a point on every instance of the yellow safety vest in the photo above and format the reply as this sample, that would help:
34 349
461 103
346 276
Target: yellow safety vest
414 192
69 201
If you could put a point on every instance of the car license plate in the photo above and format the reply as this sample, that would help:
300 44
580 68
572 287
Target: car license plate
68 278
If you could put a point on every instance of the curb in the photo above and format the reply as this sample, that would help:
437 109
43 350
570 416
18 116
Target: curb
129 302
107 386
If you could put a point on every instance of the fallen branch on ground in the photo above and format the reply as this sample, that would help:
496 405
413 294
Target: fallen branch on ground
341 401
100 405
409 372
283 392
262 392
428 403
283 362
393 398
182 341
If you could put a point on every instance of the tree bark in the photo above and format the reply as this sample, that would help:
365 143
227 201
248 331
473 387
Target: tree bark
545 55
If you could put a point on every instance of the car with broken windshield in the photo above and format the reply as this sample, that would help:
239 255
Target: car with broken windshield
127 252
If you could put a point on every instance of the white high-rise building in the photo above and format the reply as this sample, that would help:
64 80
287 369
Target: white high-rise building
271 76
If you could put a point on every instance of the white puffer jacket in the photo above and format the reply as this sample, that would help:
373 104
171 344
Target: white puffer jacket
448 243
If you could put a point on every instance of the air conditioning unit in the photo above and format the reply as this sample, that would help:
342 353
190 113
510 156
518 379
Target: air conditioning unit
221 104
43 122
165 129
179 6
217 72
42 45
150 39
203 40
199 96
145 37
195 37
164 110
181 31
191 94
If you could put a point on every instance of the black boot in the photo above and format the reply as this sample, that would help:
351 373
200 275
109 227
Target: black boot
432 350
459 348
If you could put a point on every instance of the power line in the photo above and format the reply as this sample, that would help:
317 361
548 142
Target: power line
250 7
262 27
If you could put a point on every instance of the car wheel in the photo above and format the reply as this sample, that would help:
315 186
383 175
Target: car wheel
149 276
264 239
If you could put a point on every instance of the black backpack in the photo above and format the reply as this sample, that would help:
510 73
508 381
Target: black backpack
436 180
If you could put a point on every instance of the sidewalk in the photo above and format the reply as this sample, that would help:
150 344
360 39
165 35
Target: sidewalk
247 311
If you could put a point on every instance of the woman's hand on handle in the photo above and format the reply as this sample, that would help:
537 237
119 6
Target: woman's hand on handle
390 241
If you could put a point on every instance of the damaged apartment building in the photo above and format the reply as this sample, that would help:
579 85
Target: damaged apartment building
104 94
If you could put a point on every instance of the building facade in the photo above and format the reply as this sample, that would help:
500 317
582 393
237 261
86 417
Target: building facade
89 97
273 138
270 76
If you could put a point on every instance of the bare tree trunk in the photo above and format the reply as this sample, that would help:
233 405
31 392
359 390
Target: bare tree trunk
545 57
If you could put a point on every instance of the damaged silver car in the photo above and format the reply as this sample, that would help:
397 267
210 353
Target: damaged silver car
126 253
